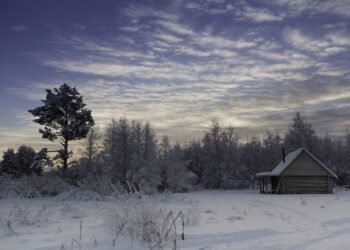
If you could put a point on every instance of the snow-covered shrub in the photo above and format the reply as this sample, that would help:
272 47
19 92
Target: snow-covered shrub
24 217
77 194
142 220
6 228
49 184
77 243
98 184
192 217
146 177
41 217
10 230
7 189
178 178
117 222
23 187
21 216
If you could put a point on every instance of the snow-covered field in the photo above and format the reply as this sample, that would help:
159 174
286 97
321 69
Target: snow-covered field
226 220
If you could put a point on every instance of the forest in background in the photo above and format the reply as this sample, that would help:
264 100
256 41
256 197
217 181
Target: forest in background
126 155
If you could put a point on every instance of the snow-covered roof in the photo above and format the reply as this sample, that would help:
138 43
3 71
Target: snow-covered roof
277 171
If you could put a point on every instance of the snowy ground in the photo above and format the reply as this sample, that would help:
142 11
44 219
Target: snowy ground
228 220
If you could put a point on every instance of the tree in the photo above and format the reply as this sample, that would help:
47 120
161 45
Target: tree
194 153
24 158
40 160
163 155
8 164
251 158
214 156
164 148
272 150
131 154
118 148
149 173
300 134
179 179
24 162
110 148
231 157
91 146
64 118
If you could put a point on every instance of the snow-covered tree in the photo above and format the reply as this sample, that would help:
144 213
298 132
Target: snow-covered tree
131 152
41 159
272 150
8 164
343 166
163 155
179 178
193 152
300 134
24 162
64 117
164 147
91 145
149 173
229 143
214 156
110 142
251 157
24 158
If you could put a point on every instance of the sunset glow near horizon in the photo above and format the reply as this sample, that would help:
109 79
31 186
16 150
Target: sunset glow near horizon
178 64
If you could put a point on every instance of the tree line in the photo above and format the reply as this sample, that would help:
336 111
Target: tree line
128 154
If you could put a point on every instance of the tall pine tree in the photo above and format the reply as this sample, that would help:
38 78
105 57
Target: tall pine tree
64 118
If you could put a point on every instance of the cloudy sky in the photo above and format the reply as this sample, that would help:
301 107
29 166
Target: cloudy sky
251 64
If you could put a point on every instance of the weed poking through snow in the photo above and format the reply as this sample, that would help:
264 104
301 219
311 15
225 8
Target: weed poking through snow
144 222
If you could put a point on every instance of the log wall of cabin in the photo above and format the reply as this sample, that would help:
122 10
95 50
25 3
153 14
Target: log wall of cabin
305 175
305 165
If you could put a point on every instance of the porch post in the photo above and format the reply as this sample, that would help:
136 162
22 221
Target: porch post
263 184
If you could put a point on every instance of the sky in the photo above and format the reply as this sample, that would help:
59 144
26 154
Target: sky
178 64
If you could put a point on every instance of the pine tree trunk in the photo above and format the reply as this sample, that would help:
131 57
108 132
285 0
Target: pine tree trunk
65 157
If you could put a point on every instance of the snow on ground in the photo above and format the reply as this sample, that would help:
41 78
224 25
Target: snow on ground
227 220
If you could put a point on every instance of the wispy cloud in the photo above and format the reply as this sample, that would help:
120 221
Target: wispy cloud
247 65
261 15
324 46
200 73
19 28
336 7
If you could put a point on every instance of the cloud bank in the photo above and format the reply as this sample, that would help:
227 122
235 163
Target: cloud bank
179 65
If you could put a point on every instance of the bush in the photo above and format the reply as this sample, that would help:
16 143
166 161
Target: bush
49 184
19 188
142 220
23 217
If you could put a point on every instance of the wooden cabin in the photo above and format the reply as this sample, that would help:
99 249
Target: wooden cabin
298 173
